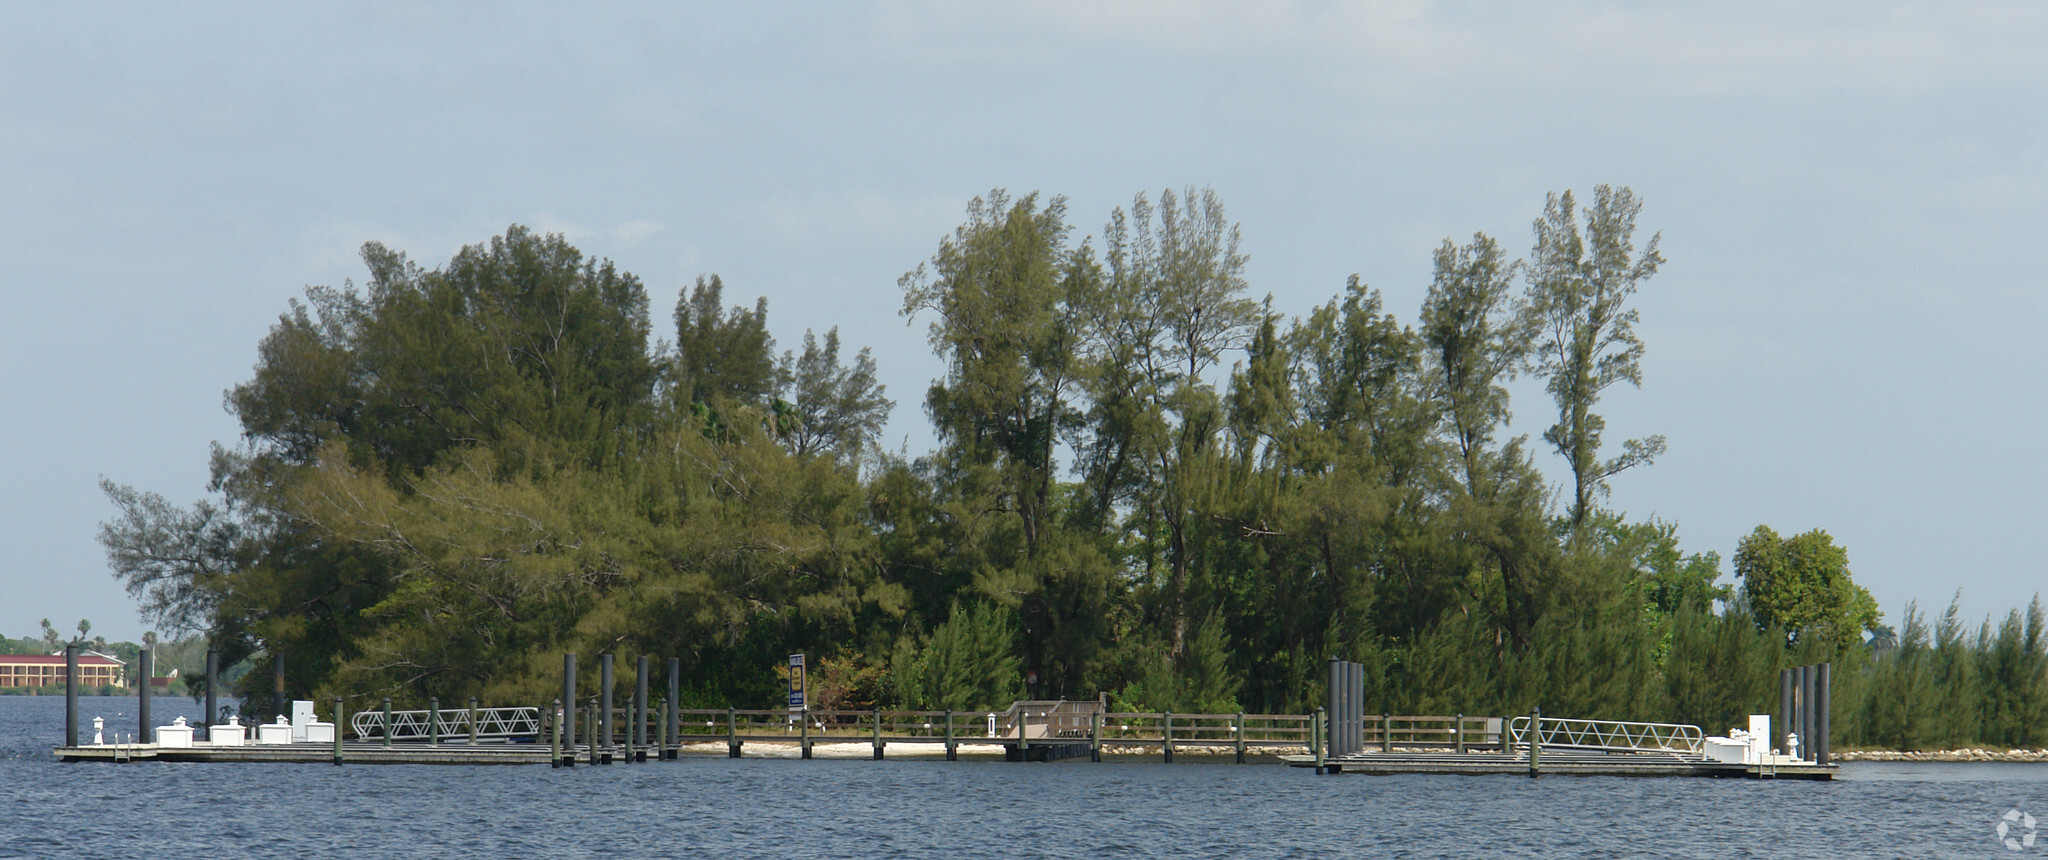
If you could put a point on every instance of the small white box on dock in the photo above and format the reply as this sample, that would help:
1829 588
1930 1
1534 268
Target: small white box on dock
279 732
1759 738
177 734
233 734
1727 750
319 733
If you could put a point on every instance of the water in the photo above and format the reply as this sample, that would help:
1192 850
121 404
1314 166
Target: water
715 807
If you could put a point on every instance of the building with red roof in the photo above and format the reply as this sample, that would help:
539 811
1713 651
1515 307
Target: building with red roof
45 670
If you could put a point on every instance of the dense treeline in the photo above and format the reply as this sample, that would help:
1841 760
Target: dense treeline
1147 484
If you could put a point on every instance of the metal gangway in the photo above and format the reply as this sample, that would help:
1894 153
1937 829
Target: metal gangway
1612 736
1055 718
494 724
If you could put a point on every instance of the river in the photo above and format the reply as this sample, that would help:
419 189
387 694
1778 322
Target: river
854 809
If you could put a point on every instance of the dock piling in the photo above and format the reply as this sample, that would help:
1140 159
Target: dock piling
472 721
71 694
1094 736
568 701
387 722
1386 732
1315 740
1237 729
675 713
145 668
1166 729
604 710
339 721
277 704
554 735
804 732
1806 712
1782 727
434 720
640 709
878 733
1823 746
952 749
1535 742
212 691
1460 745
732 733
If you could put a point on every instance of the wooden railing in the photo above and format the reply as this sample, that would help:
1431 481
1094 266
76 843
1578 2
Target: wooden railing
1460 732
1070 725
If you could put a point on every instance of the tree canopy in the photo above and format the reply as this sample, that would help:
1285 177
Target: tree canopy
1149 483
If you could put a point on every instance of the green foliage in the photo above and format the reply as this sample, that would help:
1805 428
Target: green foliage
969 663
832 408
1147 484
1585 340
1802 585
721 356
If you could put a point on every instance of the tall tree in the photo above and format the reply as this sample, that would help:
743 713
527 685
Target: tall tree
1003 291
1580 282
1174 304
1007 295
1475 335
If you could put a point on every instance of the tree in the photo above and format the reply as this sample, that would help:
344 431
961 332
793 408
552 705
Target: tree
1008 298
968 663
176 561
830 407
1802 585
1476 335
1173 305
721 355
1004 291
1579 286
517 340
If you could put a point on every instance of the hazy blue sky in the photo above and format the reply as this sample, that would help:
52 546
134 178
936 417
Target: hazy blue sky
1852 198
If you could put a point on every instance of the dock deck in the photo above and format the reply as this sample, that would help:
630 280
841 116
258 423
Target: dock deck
312 753
1565 763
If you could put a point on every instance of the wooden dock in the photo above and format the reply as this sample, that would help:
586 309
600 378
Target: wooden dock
1027 731
1561 762
313 753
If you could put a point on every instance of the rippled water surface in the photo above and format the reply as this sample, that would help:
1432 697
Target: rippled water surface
715 807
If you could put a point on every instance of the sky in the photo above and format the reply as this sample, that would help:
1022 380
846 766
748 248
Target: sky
1846 335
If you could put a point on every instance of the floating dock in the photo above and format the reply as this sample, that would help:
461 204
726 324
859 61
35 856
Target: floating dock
312 753
1562 762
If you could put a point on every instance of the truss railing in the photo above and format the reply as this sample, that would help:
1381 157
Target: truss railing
1610 735
491 724
1047 718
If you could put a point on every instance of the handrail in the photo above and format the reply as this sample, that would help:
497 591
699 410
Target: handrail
1047 721
1611 735
493 723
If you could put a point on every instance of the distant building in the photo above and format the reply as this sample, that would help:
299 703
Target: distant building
44 670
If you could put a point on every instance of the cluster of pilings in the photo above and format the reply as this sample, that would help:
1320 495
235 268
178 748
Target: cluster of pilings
1347 708
1803 697
561 720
